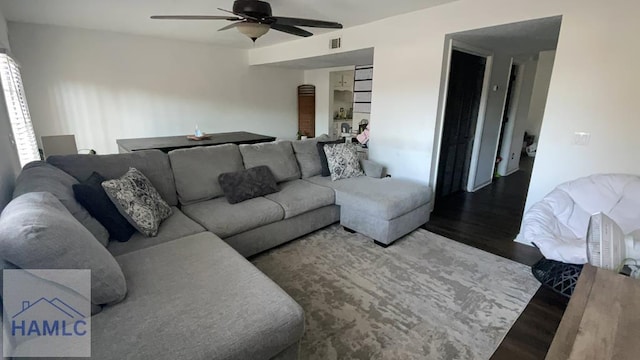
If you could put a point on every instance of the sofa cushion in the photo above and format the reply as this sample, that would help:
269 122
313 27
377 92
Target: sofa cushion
92 196
196 298
343 161
385 198
174 227
224 219
307 155
196 170
154 164
248 184
372 168
278 156
138 201
324 171
327 182
298 196
39 176
38 232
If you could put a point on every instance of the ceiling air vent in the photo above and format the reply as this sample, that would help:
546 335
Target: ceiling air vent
335 43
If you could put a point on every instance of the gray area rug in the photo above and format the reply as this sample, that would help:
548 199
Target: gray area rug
424 297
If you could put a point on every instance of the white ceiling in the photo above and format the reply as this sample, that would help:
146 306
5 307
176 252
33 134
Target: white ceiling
132 16
526 37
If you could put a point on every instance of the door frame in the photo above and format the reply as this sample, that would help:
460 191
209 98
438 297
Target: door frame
507 141
450 45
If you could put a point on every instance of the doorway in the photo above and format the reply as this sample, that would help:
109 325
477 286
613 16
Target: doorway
493 93
508 110
464 93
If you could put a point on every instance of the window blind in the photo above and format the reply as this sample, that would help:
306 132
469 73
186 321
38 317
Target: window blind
18 111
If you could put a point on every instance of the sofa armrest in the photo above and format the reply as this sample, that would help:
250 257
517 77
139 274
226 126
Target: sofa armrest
372 168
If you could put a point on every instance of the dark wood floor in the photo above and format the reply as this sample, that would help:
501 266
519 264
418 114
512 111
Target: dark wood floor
489 219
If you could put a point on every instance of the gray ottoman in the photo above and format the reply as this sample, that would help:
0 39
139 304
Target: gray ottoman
383 209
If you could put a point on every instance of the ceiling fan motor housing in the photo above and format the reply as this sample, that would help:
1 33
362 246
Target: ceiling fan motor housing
253 8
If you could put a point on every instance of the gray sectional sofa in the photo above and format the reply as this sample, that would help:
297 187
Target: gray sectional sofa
191 292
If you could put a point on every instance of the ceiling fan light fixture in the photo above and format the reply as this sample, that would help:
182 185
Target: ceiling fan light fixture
253 30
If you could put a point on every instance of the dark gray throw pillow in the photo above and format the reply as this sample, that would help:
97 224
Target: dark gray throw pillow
92 196
323 156
248 184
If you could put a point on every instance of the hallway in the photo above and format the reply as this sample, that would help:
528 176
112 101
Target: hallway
489 219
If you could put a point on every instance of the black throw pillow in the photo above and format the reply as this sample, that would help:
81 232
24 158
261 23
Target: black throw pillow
248 184
323 156
92 196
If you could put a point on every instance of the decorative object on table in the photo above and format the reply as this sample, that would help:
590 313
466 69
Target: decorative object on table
254 18
345 132
199 138
198 135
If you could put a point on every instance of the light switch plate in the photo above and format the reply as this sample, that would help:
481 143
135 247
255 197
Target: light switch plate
581 138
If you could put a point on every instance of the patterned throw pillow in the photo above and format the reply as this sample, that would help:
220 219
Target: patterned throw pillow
138 201
343 161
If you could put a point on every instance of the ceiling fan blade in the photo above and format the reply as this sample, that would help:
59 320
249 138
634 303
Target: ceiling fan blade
305 22
290 30
240 15
194 17
231 26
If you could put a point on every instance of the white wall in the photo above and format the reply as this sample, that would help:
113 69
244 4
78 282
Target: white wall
102 86
9 163
592 87
408 65
321 79
540 92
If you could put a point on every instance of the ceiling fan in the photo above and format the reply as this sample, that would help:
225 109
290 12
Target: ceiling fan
253 18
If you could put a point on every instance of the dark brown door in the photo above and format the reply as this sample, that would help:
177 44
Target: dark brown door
460 118
307 110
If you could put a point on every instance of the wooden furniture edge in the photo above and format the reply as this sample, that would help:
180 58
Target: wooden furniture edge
567 332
